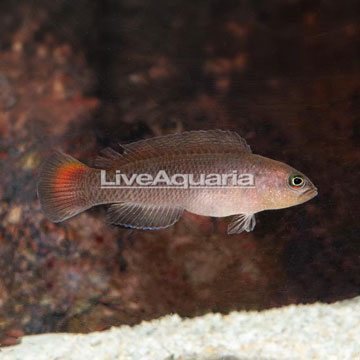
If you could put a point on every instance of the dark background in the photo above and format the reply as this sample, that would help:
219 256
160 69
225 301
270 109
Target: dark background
82 75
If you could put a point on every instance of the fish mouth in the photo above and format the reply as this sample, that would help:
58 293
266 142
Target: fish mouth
310 193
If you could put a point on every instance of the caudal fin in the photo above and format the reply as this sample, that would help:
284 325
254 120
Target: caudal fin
60 187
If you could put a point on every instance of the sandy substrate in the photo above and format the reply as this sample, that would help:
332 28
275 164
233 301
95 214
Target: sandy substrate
316 331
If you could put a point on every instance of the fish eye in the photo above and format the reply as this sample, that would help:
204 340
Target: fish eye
296 181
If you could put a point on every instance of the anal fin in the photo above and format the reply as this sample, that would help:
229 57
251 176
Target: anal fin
150 217
241 222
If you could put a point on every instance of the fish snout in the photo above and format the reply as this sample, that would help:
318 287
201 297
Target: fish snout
309 193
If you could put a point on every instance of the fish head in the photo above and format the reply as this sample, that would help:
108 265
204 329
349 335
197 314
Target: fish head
283 186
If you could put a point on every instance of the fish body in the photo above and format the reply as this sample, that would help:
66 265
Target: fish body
67 187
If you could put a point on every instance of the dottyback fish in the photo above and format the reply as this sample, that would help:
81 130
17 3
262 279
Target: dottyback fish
149 183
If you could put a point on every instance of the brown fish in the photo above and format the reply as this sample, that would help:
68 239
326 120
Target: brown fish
209 173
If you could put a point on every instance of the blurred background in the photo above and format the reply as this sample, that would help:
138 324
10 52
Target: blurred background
82 75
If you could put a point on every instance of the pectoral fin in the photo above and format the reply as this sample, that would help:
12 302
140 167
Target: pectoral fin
241 222
150 217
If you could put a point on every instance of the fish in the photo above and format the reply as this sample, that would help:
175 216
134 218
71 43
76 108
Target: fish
210 173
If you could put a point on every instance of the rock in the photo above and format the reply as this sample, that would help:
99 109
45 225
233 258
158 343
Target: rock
7 94
318 331
14 215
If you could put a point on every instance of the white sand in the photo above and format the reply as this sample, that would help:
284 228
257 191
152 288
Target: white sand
303 332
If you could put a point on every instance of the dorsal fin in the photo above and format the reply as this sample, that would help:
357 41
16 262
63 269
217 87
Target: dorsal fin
189 142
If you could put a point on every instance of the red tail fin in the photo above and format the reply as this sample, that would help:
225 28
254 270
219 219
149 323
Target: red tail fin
60 187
